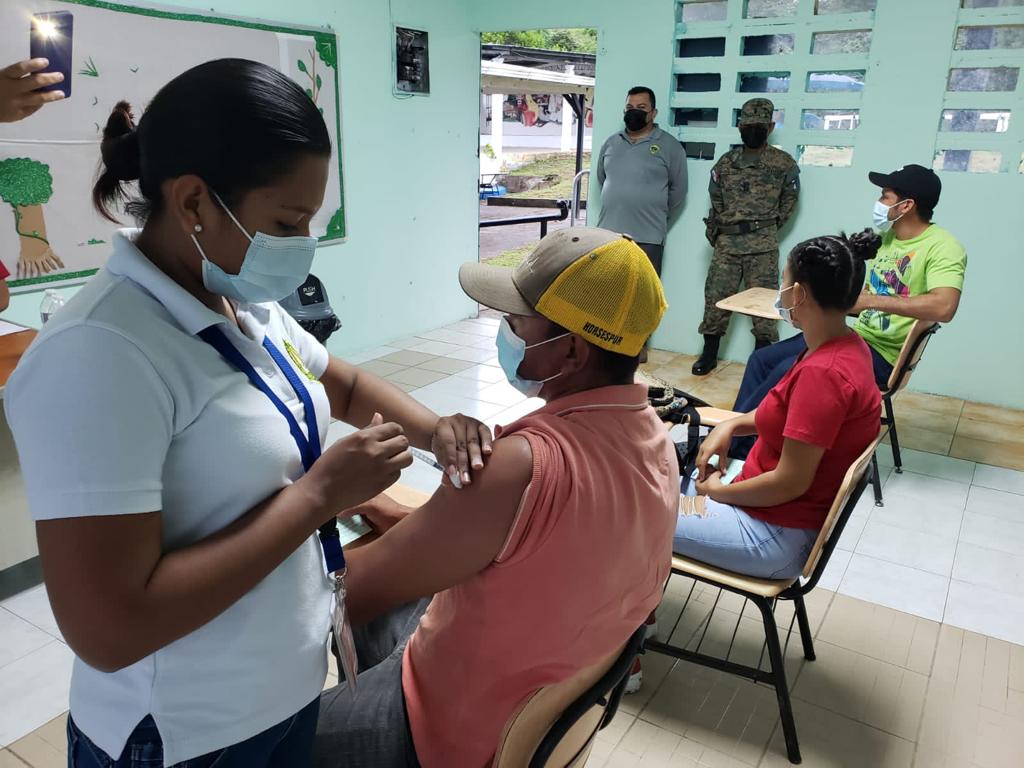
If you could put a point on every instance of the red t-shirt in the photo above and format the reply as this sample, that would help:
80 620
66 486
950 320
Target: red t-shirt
4 274
829 398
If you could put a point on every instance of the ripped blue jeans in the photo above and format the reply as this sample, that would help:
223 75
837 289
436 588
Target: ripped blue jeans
729 538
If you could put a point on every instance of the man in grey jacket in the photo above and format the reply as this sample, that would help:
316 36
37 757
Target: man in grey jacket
642 175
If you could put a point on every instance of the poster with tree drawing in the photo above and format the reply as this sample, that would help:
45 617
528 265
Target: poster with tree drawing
49 232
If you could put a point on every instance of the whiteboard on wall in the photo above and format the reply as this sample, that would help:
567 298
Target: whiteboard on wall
49 233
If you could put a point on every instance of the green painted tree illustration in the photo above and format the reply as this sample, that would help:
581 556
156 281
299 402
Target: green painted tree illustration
26 185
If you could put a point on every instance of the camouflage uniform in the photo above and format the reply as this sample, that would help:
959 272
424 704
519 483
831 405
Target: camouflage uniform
756 191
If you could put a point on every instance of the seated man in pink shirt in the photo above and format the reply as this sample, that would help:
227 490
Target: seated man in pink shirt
552 557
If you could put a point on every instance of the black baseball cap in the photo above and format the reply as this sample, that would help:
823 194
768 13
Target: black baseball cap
920 184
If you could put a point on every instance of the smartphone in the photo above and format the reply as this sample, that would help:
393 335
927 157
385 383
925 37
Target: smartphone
50 37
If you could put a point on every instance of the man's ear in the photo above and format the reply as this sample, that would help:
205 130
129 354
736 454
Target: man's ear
579 354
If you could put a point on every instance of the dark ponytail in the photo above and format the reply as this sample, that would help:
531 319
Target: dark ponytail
237 124
832 267
120 152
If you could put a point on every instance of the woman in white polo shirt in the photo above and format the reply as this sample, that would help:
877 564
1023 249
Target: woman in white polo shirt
168 420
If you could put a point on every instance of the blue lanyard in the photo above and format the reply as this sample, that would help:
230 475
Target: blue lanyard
309 447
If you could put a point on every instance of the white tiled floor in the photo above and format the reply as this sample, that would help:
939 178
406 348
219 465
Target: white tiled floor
948 545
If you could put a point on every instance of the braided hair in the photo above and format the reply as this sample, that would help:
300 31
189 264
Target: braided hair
832 267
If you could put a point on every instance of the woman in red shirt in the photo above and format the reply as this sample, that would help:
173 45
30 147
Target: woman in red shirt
810 428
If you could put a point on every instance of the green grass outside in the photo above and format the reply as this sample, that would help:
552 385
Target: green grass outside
562 165
513 257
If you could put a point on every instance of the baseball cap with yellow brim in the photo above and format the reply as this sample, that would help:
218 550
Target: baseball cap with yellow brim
592 282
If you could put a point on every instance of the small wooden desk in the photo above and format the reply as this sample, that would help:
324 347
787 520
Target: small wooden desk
12 346
404 495
757 302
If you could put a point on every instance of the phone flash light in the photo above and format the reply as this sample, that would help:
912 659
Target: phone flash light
46 28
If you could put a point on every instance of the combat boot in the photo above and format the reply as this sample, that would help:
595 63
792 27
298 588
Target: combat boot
708 360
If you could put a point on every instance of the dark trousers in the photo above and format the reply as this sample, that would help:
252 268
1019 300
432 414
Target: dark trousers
767 366
288 744
655 252
371 729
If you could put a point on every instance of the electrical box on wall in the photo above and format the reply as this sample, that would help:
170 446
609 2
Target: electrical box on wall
412 61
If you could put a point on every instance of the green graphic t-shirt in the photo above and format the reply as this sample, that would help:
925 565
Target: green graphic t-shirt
933 259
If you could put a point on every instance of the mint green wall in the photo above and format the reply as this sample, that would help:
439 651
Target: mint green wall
410 168
979 355
411 165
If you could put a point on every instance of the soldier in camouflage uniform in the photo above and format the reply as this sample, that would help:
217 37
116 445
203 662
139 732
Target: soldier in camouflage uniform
753 190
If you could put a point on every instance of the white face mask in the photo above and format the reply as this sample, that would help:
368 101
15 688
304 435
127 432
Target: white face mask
511 351
272 269
880 215
785 312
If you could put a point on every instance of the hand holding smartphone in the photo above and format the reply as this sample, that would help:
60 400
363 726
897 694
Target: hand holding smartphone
50 37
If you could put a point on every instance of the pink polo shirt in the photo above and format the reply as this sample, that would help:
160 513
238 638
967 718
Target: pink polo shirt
583 565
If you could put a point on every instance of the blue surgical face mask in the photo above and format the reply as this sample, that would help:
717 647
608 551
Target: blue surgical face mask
273 267
880 215
785 312
511 351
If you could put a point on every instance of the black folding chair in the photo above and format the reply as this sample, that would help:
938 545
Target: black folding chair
765 594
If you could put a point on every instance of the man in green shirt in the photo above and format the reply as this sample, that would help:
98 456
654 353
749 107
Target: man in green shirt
918 274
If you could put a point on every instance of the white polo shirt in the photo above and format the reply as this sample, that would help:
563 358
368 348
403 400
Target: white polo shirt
119 408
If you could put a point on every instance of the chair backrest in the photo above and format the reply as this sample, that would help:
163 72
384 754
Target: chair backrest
910 355
556 725
854 482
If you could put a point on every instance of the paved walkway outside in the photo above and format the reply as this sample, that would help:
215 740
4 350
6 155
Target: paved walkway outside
494 241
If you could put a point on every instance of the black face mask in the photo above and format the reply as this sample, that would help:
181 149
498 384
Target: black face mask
754 136
635 119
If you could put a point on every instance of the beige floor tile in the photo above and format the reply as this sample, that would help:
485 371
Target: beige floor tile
1016 675
996 675
55 732
918 418
39 753
719 394
382 367
9 760
599 754
881 633
730 715
654 745
1000 741
657 358
993 413
407 357
447 365
612 734
997 454
992 432
919 401
656 667
922 439
829 740
418 377
881 695
729 373
971 714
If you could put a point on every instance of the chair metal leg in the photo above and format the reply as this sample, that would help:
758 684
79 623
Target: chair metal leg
876 481
771 633
805 627
894 441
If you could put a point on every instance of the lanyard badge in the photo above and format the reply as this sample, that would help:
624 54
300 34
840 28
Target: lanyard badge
309 450
343 638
